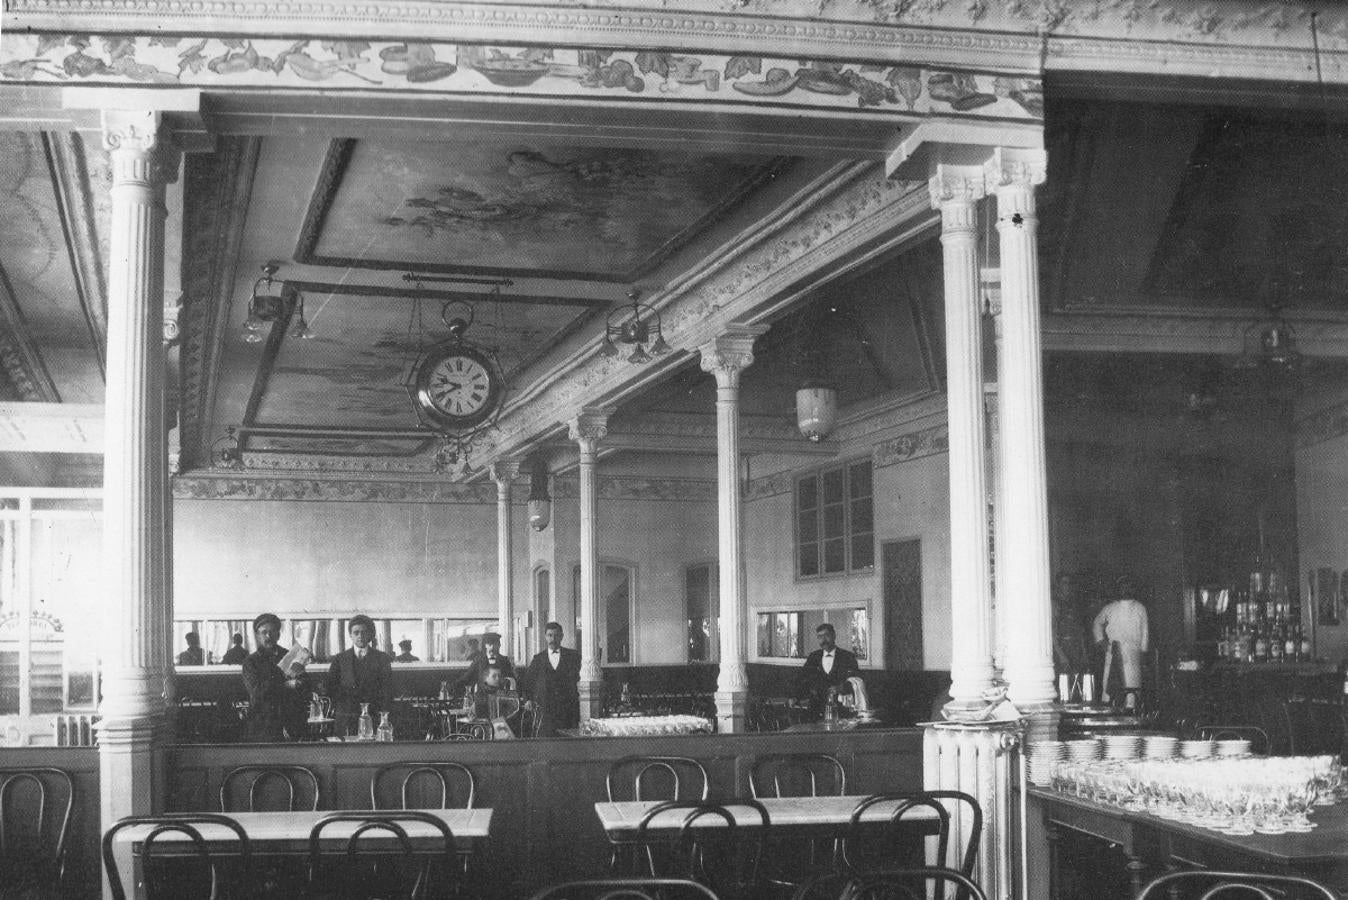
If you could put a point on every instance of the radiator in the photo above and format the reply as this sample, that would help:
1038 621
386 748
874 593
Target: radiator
981 760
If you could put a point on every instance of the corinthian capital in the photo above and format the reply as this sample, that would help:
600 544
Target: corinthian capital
1016 167
504 471
589 426
141 149
956 185
730 353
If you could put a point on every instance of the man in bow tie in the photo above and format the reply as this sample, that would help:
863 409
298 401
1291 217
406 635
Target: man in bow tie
359 674
489 656
552 684
827 668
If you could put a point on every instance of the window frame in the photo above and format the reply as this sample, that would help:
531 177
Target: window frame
601 614
713 568
850 535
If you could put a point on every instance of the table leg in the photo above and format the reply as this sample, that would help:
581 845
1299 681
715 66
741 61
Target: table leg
1136 867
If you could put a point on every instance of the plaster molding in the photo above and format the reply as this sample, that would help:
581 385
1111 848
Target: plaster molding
773 485
908 447
730 353
636 487
588 427
1170 331
504 471
291 489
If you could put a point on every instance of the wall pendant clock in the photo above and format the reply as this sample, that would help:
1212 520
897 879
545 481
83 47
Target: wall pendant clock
456 385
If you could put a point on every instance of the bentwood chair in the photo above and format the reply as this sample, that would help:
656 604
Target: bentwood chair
710 845
35 808
627 889
791 859
436 784
396 874
868 848
891 884
189 872
269 789
651 778
1206 884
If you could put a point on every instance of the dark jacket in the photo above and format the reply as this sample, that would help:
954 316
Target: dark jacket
814 682
352 681
276 711
555 692
478 667
234 656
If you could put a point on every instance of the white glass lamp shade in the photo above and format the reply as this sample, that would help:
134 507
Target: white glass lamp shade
816 411
540 514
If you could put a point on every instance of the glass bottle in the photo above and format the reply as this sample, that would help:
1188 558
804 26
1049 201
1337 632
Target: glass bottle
385 728
365 728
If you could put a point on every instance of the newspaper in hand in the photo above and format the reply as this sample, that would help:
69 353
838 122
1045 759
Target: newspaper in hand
296 658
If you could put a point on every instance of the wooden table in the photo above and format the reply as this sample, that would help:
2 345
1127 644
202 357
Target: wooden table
620 820
1152 845
288 833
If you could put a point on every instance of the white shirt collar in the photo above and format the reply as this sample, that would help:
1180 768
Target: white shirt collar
361 651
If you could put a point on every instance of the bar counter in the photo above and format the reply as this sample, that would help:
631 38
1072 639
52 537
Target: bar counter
543 792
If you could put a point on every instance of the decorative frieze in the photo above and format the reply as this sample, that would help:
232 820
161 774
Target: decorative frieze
908 447
210 487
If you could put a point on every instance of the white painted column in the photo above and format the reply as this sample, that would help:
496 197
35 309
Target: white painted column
503 472
725 357
587 429
135 477
1024 482
955 191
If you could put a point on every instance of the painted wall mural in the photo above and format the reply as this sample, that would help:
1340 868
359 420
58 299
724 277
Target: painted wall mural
408 66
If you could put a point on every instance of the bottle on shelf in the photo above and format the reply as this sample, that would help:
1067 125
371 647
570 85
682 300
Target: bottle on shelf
385 732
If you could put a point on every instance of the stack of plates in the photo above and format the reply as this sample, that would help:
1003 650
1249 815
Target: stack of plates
1159 746
1233 748
1083 750
1043 757
1122 746
1196 749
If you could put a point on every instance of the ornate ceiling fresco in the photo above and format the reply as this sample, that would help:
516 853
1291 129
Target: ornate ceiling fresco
584 213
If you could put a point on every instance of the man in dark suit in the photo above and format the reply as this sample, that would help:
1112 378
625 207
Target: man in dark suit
359 674
552 684
826 669
490 656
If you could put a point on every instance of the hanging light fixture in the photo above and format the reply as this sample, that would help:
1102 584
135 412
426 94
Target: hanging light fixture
226 453
265 306
635 324
816 398
540 502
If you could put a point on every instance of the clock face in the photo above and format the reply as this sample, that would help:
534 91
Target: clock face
457 387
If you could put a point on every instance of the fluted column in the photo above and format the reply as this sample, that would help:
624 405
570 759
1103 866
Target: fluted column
955 191
503 472
1013 174
135 474
725 357
587 429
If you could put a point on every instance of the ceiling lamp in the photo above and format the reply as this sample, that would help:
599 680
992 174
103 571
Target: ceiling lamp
540 502
816 399
1270 343
634 324
266 306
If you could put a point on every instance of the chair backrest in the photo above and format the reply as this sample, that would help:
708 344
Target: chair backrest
420 783
657 778
1258 737
157 884
35 807
627 889
389 822
870 845
913 884
797 775
712 845
1207 884
284 789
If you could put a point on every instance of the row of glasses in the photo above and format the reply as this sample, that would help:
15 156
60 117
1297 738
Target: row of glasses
1233 796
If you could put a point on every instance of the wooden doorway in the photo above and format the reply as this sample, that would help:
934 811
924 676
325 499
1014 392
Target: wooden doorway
901 564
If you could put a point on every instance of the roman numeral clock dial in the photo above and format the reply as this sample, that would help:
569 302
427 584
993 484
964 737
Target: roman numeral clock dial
457 387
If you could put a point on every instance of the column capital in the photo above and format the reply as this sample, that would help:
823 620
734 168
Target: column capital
589 426
504 471
956 184
1016 167
730 352
140 146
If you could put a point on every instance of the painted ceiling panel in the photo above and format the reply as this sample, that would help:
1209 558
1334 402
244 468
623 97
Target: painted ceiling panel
596 213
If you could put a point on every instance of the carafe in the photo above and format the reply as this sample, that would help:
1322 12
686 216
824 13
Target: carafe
365 728
385 728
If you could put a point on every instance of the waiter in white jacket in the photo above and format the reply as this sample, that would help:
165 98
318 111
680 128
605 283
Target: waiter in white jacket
1122 628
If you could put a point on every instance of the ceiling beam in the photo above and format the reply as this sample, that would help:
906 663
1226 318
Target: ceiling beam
76 208
19 355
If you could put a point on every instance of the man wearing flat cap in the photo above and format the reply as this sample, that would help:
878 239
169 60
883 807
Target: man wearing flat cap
489 656
405 645
278 702
359 674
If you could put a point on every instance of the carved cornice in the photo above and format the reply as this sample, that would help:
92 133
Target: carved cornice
905 448
221 186
226 487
